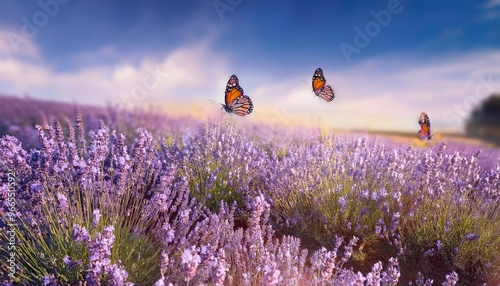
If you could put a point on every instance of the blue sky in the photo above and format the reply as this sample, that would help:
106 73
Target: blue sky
387 60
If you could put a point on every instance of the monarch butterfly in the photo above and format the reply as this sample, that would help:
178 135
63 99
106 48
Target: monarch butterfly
235 101
425 127
319 87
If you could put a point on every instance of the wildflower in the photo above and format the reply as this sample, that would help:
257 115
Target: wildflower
439 244
50 280
430 252
472 237
329 265
62 203
360 279
348 249
80 234
96 214
190 262
364 194
259 206
451 279
342 202
420 280
161 282
272 276
219 268
100 253
121 161
373 278
165 260
448 226
70 264
394 221
117 275
168 233
392 275
383 192
397 197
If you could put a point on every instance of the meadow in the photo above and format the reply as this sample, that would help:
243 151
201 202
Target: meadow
112 197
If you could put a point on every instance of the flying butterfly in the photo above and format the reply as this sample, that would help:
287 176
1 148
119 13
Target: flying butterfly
235 101
425 127
320 88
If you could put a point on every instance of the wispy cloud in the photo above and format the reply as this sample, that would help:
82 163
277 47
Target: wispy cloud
491 10
491 15
492 3
182 75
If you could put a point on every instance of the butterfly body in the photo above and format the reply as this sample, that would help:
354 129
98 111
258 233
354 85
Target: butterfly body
320 87
235 101
425 127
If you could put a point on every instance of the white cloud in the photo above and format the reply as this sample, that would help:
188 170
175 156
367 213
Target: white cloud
183 75
382 93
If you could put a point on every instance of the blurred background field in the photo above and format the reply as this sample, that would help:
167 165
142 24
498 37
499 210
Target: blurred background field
19 115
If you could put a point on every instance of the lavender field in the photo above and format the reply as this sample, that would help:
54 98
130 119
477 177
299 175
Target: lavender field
109 197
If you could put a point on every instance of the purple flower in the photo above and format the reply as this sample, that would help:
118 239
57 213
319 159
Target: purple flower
219 268
117 275
439 244
373 278
62 203
391 276
348 249
471 237
451 279
100 253
80 234
96 215
190 262
342 203
272 276
70 264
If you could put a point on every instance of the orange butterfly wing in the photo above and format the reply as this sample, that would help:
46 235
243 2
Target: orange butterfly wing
236 102
318 81
320 88
425 127
233 90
